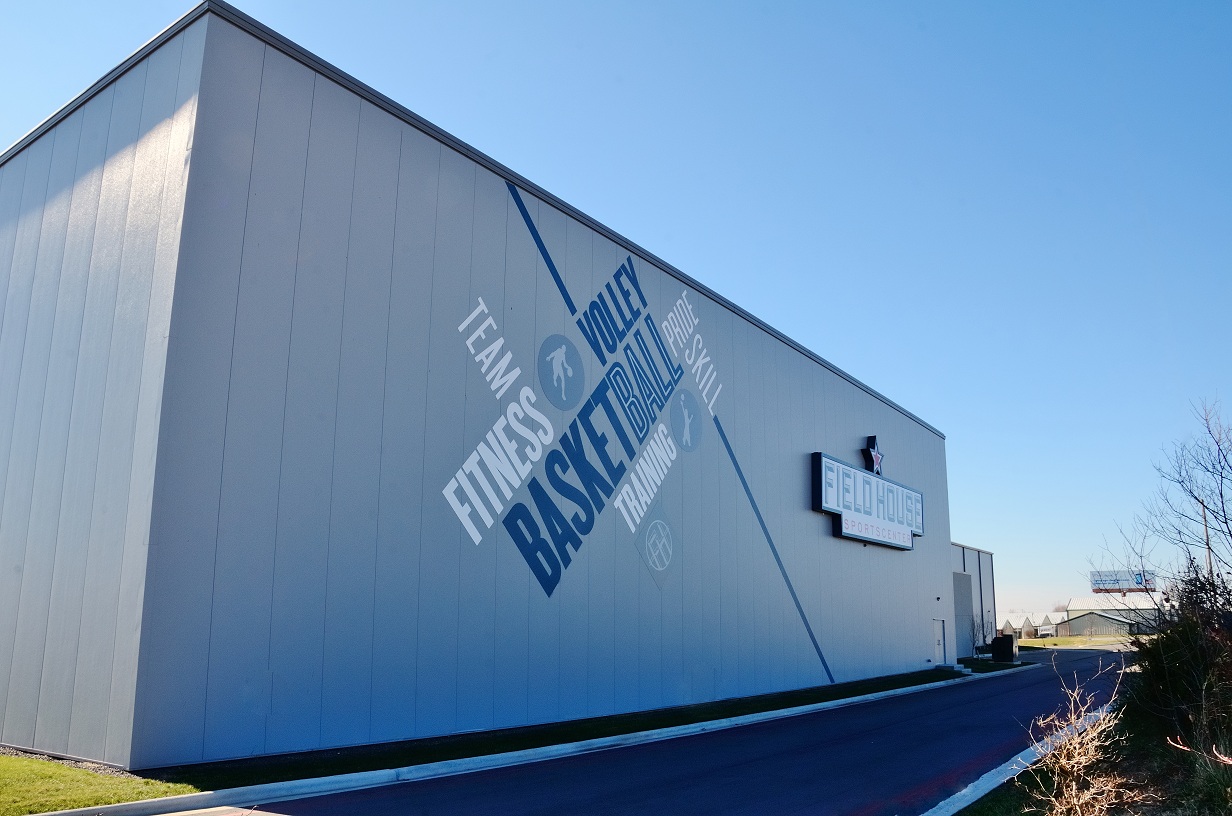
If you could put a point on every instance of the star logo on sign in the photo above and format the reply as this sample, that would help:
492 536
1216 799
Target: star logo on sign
873 456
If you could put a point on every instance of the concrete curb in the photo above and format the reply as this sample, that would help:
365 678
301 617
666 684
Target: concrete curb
252 795
990 781
986 784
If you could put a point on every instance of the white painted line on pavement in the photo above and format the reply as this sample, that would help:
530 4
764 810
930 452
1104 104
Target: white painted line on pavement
990 781
985 785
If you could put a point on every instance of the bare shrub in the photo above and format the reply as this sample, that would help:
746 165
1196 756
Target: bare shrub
1076 774
1193 509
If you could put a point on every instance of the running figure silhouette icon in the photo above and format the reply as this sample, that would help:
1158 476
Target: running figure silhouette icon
560 369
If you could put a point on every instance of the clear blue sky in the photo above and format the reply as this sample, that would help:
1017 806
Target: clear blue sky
1013 219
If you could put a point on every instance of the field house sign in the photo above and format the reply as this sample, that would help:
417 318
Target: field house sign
868 506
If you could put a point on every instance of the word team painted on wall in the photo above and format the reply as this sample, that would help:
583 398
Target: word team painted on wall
500 462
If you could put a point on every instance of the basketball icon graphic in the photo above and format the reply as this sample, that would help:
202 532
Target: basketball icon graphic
658 545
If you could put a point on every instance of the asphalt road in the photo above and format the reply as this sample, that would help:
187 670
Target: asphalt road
900 755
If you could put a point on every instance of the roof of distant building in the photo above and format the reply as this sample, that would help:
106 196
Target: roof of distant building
1113 601
1104 615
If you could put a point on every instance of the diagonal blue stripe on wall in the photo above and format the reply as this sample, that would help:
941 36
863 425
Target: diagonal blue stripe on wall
543 250
773 549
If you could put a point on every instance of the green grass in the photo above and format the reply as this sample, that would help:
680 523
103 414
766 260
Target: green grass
1006 800
981 666
36 786
1078 640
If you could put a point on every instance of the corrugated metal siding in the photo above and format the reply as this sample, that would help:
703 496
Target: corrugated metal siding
309 586
90 214
185 521
977 564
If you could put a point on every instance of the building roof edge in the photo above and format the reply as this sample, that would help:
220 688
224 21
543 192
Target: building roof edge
233 15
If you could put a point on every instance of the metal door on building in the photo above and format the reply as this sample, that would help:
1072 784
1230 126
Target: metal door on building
939 642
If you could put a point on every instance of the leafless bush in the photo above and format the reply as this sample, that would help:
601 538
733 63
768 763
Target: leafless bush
1076 774
1193 508
981 631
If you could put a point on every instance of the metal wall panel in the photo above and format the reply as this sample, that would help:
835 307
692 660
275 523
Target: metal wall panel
20 284
86 716
115 560
986 592
544 648
575 248
305 493
12 182
603 559
79 358
402 490
967 623
476 633
980 600
347 680
162 267
450 370
309 585
238 685
58 663
512 666
27 398
12 342
184 521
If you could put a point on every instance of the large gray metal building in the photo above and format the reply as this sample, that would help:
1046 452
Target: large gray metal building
320 428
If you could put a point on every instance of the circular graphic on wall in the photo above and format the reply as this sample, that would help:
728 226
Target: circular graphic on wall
686 420
658 545
561 375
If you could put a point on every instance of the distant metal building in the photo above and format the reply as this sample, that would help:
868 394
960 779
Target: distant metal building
1142 612
1017 624
320 428
1097 623
1046 622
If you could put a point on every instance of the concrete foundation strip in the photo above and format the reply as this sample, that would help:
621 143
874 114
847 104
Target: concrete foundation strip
252 795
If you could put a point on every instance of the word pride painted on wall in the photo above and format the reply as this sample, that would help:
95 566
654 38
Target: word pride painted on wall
685 341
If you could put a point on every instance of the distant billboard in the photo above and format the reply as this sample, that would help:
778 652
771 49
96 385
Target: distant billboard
1122 581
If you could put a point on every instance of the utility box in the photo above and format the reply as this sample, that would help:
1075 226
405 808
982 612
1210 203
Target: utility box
1005 649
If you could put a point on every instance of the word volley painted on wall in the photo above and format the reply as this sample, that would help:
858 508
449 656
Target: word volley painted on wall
500 463
615 437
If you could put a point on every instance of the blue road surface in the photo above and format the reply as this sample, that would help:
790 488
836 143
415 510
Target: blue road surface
900 755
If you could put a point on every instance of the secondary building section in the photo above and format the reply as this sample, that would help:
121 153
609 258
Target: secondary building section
975 605
320 428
